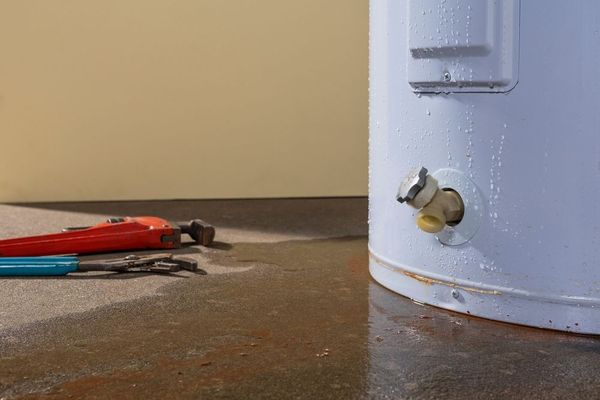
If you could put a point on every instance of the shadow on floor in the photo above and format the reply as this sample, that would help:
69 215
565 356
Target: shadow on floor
308 217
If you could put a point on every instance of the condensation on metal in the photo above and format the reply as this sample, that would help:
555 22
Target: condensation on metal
529 155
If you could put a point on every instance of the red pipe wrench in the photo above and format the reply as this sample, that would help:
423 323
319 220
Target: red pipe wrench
116 234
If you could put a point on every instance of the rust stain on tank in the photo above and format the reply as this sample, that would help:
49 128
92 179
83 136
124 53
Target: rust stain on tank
431 281
419 278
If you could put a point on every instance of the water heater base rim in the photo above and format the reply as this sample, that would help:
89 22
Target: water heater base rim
581 315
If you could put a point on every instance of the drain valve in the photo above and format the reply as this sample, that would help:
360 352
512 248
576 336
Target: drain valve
438 207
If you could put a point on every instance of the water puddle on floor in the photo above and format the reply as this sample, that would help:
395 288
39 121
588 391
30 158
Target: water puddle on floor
305 322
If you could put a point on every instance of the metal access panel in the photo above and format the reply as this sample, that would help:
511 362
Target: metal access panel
463 45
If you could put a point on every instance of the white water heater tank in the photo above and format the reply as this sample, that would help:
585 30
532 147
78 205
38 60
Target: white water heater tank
485 157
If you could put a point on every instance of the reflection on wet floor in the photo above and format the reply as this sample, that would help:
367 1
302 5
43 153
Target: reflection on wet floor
418 351
305 322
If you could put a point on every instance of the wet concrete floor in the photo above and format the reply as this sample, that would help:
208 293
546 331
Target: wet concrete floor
299 319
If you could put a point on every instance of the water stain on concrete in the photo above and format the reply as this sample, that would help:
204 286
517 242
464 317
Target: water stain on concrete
305 321
257 332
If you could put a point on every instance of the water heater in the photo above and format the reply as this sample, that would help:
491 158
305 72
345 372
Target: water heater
485 157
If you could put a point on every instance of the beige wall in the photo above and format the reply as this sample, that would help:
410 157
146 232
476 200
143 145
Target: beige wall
163 99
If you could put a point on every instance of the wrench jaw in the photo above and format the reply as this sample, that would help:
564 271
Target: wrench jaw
186 263
202 232
155 263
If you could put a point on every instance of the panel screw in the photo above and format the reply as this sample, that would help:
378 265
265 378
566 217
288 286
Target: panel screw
447 76
455 294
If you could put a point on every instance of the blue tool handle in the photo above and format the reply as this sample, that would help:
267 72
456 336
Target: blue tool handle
38 266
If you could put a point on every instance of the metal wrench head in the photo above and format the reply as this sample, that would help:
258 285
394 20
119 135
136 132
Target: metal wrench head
159 263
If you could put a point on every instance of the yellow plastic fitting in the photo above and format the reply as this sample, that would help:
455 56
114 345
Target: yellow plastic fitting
445 208
438 207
